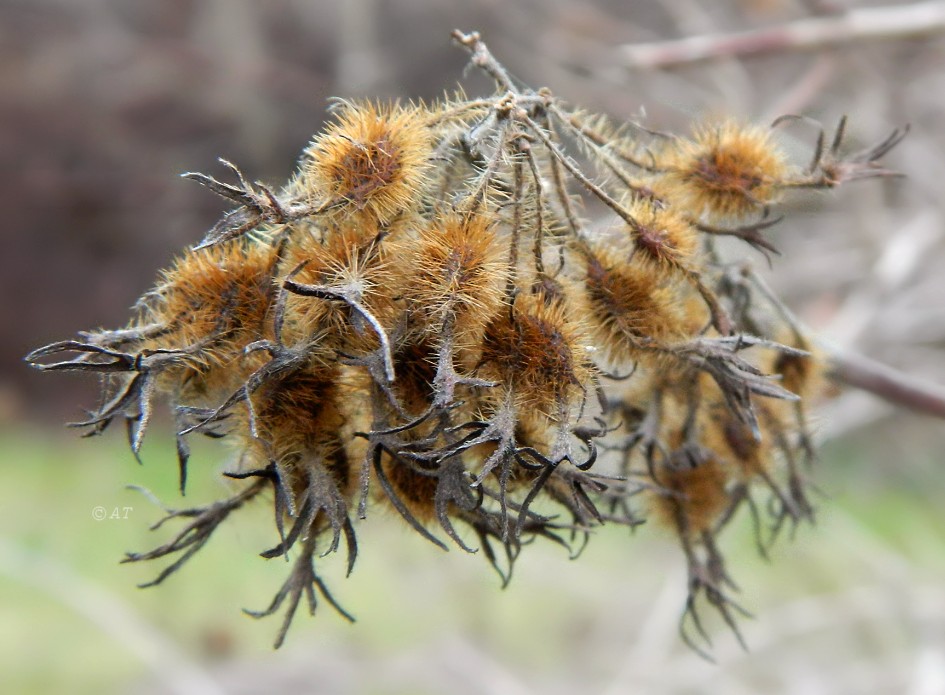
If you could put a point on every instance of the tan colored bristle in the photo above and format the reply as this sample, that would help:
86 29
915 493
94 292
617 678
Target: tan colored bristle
631 306
691 497
298 410
371 163
298 418
539 351
729 170
223 291
213 303
661 234
458 271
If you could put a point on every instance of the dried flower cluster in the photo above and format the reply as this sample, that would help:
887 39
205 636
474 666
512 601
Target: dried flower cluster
424 318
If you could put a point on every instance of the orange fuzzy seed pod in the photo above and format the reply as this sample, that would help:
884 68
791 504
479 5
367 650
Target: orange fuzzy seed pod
537 351
459 272
215 301
631 305
371 163
349 259
298 420
728 170
733 440
692 497
223 290
661 235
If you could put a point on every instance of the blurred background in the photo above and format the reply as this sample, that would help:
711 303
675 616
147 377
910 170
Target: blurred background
103 103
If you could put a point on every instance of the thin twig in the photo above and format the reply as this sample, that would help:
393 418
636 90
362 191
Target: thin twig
855 26
886 382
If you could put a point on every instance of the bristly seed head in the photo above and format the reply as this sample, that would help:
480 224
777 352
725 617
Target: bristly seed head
538 351
458 271
691 494
662 235
221 293
371 163
351 260
212 303
728 170
631 306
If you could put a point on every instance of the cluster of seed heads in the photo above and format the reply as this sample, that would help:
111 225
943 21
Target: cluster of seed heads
424 318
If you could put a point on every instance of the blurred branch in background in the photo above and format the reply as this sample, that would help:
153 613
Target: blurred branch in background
854 26
889 384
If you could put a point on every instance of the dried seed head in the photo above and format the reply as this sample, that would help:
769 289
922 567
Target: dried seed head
458 271
446 361
537 350
692 494
371 163
298 413
212 302
631 306
221 294
350 261
728 170
734 442
298 420
661 235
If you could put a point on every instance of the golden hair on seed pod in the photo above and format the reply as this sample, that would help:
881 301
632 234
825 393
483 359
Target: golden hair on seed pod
661 235
631 305
213 301
691 494
733 441
728 170
371 163
538 351
350 258
298 419
222 292
459 271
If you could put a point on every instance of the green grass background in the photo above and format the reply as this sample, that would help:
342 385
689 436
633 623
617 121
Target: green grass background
72 620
